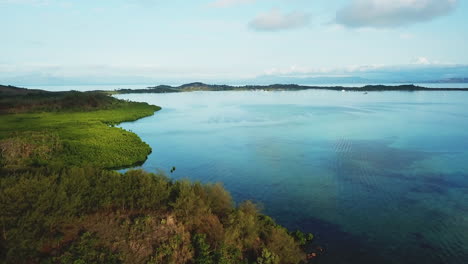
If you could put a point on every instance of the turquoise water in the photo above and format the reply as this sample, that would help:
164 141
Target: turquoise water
378 178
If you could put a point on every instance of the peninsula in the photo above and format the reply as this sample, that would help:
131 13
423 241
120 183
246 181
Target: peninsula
61 201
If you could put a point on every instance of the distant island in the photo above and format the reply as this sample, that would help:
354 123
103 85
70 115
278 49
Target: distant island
198 86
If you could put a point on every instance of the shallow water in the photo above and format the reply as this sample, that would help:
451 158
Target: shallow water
378 178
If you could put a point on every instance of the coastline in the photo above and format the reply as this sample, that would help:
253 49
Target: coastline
60 200
80 136
197 86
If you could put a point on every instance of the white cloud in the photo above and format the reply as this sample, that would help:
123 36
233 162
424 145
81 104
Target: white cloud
228 3
425 61
275 20
392 13
417 64
422 61
302 71
418 71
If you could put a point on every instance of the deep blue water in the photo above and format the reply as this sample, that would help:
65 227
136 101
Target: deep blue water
378 178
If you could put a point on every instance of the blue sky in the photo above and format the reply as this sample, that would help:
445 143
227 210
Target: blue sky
229 39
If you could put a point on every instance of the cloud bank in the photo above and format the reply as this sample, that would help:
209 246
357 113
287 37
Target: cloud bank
275 20
421 70
392 13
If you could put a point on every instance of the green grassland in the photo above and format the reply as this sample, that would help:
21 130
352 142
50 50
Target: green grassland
67 137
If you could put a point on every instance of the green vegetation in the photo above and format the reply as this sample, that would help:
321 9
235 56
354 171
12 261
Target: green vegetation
59 203
20 100
87 215
69 129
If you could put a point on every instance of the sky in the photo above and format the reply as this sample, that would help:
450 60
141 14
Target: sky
66 41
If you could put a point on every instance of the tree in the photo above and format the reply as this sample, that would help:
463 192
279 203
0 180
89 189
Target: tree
268 257
203 254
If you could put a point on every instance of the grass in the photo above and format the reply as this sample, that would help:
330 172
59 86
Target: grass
85 137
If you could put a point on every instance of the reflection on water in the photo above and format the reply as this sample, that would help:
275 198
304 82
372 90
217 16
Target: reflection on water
378 177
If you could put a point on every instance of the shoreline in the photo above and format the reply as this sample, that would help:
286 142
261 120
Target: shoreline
81 126
191 87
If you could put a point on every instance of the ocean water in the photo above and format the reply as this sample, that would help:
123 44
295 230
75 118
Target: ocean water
378 178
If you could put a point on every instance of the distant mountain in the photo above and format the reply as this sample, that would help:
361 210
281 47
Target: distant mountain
351 80
449 80
267 79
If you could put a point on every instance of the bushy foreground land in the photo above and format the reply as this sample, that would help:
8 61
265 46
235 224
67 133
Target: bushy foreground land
87 215
59 203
